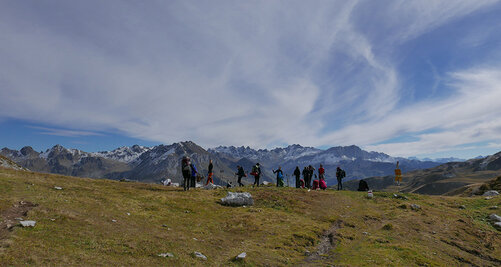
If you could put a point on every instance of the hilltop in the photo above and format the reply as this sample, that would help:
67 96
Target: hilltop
105 222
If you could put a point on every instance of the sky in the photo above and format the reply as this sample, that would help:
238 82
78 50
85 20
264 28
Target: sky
407 78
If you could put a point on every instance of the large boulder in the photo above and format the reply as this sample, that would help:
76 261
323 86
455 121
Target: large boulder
237 199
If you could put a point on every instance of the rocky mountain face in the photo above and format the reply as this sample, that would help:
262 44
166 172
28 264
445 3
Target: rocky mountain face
9 164
356 162
449 178
152 164
65 161
133 163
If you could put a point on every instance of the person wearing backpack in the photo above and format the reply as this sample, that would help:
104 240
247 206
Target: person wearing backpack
280 177
311 171
305 176
297 173
186 170
240 173
193 178
256 172
340 174
210 173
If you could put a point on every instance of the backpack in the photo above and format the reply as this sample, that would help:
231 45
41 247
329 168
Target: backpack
186 166
280 175
343 174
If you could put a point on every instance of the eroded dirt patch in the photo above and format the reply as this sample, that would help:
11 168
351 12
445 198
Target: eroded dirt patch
11 217
327 243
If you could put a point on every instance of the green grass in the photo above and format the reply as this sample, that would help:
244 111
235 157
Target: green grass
75 227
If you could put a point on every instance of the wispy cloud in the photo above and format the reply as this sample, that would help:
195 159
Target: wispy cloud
63 132
239 73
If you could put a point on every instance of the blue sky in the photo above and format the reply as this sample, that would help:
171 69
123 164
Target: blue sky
408 78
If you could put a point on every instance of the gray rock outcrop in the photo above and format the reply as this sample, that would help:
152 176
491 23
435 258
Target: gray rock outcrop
238 199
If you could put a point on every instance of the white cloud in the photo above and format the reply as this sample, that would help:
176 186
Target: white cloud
236 73
471 115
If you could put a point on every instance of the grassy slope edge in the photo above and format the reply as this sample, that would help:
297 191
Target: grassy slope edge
75 227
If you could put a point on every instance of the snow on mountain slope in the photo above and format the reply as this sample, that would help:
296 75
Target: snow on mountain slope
123 154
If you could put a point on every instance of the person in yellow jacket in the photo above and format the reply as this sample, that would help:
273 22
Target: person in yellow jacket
398 175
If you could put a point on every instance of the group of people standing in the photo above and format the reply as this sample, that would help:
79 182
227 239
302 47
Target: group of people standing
190 175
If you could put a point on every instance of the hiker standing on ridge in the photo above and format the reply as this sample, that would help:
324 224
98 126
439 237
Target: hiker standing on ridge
305 176
340 174
256 172
193 178
210 173
240 173
297 173
186 170
311 171
280 177
321 172
398 175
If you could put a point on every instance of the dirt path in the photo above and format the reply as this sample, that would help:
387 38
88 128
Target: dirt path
9 218
327 243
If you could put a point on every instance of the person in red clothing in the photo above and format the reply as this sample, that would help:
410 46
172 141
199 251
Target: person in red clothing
321 172
210 173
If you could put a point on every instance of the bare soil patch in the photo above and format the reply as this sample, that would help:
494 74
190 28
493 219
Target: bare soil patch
10 218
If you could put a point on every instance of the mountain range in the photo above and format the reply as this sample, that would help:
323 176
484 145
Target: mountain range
152 164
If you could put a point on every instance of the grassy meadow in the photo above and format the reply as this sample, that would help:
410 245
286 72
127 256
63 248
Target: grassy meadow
92 222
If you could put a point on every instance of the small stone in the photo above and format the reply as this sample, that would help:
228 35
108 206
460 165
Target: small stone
365 233
497 225
52 219
400 197
28 223
433 232
58 188
164 225
491 193
488 198
200 255
166 255
19 219
128 214
241 256
415 207
493 207
114 221
307 253
195 239
186 211
462 207
495 218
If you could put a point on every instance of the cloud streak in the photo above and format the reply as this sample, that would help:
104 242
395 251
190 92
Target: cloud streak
257 73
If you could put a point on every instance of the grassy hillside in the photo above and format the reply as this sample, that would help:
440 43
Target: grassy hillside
75 226
447 179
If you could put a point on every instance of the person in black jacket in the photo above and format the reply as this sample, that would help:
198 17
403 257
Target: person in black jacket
240 173
305 176
340 174
210 174
297 173
186 171
256 170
